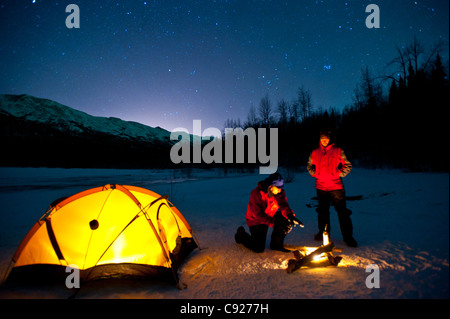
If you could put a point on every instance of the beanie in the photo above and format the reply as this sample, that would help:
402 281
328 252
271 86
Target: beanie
276 180
325 134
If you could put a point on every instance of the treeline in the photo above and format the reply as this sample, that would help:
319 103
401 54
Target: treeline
32 144
396 120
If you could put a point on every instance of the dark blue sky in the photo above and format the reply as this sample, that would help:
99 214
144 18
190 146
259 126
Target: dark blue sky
165 62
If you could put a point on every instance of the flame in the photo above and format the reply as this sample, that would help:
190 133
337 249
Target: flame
326 238
318 258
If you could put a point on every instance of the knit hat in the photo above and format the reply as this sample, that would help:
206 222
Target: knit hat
325 134
276 180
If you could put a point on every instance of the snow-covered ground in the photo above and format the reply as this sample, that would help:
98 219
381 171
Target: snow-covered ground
401 225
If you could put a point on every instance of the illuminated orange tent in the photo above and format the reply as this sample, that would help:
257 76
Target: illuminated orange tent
109 231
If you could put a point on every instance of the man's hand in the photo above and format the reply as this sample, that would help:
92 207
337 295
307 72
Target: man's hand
294 221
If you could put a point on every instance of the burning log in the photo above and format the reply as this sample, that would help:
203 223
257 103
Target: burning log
322 256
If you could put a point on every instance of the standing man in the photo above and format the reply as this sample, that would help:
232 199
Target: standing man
328 164
267 207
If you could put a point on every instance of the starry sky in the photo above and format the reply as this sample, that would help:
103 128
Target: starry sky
168 62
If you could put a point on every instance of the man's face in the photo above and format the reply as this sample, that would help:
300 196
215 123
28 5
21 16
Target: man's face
275 190
324 141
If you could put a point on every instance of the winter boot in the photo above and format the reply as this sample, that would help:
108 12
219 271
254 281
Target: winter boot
278 246
277 239
351 242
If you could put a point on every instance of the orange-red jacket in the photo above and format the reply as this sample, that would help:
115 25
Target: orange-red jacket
328 165
262 208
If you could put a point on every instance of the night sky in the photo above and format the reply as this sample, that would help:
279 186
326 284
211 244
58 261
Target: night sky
165 63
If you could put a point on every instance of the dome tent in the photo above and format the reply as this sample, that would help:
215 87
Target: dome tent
110 231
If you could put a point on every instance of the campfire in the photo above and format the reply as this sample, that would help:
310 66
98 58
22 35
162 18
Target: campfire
315 256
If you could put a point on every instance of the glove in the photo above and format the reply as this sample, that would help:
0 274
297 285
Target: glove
282 225
287 229
294 221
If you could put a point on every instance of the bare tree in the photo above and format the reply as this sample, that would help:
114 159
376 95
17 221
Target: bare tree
232 123
252 119
265 111
369 92
401 60
294 112
412 55
304 100
415 50
283 111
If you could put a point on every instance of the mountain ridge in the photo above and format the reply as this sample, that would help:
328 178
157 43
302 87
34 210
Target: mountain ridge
42 110
42 132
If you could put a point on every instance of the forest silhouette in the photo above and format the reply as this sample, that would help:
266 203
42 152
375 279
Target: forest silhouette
397 119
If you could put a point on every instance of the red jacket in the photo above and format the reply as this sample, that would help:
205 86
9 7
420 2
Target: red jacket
262 208
328 165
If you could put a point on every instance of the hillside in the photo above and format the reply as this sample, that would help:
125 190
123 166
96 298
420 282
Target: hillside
41 132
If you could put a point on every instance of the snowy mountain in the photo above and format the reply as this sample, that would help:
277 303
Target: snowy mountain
64 118
40 127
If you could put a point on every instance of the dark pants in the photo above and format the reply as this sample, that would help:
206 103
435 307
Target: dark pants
336 197
256 241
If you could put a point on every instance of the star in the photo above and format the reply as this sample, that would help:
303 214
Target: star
202 55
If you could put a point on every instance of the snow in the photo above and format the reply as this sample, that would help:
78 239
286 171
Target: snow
401 225
66 118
